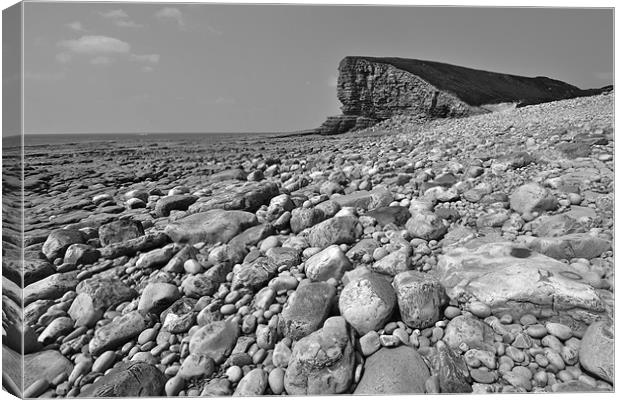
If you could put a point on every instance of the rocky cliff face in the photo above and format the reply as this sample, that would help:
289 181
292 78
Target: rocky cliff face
374 89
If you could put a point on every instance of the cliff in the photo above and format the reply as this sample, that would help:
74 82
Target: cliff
374 89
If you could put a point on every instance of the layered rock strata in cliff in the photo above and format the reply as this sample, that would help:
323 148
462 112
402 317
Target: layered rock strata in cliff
374 89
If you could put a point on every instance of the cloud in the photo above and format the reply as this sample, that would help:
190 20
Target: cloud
145 58
173 14
120 18
76 26
63 58
95 45
101 60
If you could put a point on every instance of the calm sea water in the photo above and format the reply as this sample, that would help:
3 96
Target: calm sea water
51 139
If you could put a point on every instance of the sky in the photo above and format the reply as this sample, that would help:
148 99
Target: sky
137 67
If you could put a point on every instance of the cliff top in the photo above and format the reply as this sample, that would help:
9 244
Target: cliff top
478 87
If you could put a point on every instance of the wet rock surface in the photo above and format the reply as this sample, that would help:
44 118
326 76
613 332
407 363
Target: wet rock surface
324 265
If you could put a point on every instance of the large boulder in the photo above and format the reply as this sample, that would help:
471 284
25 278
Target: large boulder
514 280
323 362
336 230
306 309
128 379
210 227
596 353
420 298
393 371
367 303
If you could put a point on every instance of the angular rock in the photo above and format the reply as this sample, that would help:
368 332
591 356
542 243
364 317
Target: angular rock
157 296
215 340
254 275
46 364
329 263
306 309
116 333
514 280
197 286
420 298
210 227
132 246
394 263
596 353
576 245
367 303
450 368
59 240
392 371
396 215
464 329
426 225
120 231
77 254
52 287
337 230
367 200
302 218
95 296
180 316
323 362
530 198
128 379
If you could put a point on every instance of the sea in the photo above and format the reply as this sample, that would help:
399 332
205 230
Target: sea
54 139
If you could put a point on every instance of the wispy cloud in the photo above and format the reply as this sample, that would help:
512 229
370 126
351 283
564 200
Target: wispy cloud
76 26
171 13
145 58
95 45
120 18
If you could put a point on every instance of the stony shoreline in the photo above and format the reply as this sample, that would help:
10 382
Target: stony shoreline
474 255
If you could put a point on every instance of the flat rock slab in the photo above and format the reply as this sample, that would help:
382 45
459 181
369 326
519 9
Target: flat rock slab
210 227
398 370
52 287
116 333
575 245
128 379
516 281
596 353
45 364
306 309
